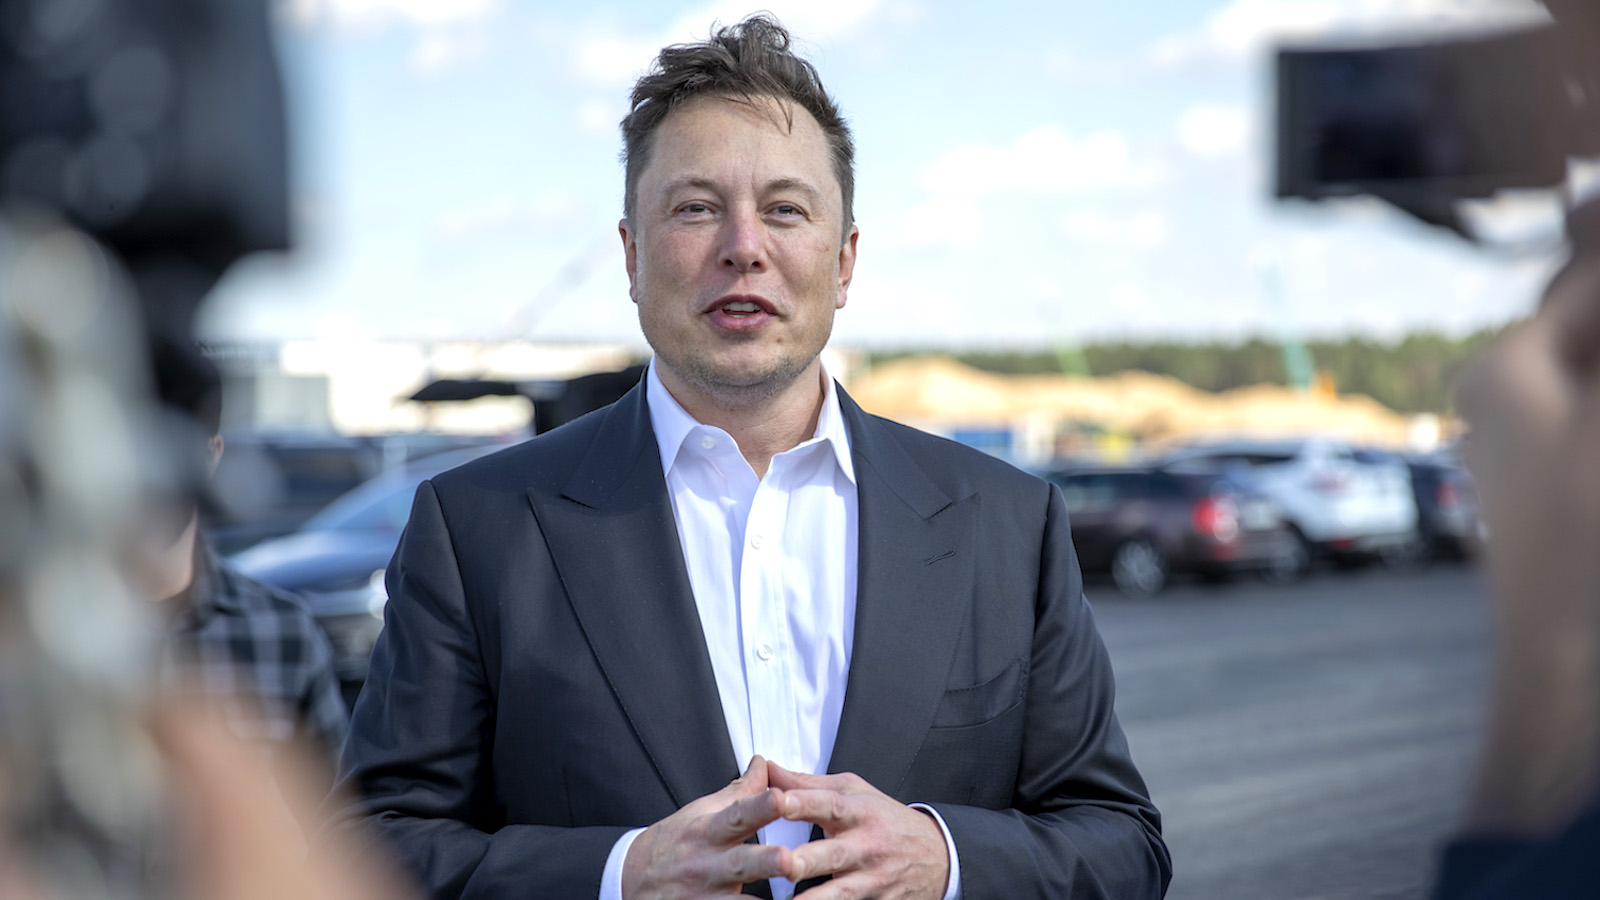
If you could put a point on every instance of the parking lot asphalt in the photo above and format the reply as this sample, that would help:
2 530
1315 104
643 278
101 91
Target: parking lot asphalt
1312 740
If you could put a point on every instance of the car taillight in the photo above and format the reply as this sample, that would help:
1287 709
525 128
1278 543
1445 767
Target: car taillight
1445 494
1217 517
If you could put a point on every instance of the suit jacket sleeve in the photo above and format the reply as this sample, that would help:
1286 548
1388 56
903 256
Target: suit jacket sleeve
1081 823
417 759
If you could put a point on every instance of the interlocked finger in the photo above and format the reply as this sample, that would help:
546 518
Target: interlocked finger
828 857
746 863
832 810
743 817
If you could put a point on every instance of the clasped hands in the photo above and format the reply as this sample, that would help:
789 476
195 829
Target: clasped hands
873 845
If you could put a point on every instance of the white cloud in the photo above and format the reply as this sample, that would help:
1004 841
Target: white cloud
1042 160
354 15
448 32
502 215
1245 28
805 19
598 117
612 59
1211 131
439 50
1131 297
1145 229
955 221
1080 71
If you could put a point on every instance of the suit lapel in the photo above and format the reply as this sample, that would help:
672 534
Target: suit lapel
914 586
615 543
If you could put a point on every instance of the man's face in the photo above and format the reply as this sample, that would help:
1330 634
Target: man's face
737 256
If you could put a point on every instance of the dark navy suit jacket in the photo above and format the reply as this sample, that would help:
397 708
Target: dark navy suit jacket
542 683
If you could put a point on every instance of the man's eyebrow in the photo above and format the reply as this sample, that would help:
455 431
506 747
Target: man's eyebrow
689 181
793 184
699 183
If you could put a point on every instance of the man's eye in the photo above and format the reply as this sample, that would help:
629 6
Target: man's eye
695 208
787 209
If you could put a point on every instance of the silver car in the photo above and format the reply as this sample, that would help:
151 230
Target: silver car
1337 504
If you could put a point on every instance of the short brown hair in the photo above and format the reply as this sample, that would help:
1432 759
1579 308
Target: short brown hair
748 62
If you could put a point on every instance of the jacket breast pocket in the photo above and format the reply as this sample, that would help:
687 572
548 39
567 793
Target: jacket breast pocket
981 703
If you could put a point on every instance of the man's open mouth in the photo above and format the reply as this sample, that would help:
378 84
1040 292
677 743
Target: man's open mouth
746 309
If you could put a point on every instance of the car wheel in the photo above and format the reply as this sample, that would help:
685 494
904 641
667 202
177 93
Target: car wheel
1139 568
1292 563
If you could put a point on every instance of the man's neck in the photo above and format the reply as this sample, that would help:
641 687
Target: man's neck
170 571
762 427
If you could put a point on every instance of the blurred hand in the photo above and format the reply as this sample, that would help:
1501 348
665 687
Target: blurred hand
246 818
700 850
1533 404
873 845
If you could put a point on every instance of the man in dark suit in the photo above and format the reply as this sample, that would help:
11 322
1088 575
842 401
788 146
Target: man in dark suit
734 567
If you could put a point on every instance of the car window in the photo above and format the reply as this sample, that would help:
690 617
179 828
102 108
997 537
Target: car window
1246 458
1088 491
384 503
316 474
1163 486
1127 486
373 510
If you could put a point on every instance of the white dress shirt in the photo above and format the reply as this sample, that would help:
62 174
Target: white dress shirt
772 563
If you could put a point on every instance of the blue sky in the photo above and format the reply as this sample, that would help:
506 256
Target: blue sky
1028 175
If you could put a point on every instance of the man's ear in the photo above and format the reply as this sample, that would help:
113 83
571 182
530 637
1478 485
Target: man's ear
847 266
630 254
213 454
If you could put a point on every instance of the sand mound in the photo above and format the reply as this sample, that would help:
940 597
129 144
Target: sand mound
937 390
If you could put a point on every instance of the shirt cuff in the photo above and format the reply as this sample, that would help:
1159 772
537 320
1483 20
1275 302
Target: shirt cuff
952 888
611 878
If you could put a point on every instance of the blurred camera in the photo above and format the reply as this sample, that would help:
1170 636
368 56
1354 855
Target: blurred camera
1424 125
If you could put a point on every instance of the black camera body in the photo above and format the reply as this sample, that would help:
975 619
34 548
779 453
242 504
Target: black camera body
1424 125
155 126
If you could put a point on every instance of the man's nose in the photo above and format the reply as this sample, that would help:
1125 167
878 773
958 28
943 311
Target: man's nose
743 241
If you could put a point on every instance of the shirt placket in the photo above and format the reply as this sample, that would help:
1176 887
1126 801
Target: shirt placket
765 611
768 644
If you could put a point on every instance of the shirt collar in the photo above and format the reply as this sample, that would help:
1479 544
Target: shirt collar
206 595
673 424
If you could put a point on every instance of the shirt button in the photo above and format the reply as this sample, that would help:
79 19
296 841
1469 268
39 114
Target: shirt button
764 652
708 442
756 541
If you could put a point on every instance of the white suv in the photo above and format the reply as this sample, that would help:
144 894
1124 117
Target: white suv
1337 504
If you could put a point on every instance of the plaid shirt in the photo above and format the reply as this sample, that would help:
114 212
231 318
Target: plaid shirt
236 639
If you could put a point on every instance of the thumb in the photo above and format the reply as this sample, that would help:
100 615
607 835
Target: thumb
754 779
780 777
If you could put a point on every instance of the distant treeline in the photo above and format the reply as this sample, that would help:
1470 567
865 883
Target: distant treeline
1411 375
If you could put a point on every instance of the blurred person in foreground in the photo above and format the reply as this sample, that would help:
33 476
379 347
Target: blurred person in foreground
240 819
252 649
734 568
1533 403
185 96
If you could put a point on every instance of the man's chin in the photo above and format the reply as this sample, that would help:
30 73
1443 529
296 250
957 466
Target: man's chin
743 379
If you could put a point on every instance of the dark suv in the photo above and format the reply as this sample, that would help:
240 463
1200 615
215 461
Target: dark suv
1143 524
